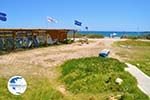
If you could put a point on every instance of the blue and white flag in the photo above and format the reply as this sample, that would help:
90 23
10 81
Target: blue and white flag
50 19
77 23
3 16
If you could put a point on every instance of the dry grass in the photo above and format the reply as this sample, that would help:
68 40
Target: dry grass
138 54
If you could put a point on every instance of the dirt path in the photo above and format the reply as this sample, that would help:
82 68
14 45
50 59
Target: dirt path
40 61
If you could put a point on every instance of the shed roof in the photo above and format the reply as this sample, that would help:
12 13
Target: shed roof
31 29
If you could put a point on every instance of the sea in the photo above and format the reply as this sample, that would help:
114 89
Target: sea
117 33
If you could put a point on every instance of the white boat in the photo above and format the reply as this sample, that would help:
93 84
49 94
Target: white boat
114 34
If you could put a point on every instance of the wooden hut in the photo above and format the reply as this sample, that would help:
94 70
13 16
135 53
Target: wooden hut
11 39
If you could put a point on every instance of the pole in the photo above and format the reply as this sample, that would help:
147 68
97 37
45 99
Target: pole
46 22
138 31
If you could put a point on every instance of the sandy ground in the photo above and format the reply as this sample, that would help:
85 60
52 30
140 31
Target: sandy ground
40 61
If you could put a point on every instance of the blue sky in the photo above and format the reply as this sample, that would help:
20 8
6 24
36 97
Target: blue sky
103 15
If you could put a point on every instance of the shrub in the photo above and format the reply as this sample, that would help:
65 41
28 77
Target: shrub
68 41
145 36
95 36
79 35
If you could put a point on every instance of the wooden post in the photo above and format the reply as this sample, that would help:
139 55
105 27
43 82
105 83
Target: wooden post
5 41
32 32
58 35
46 38
14 40
74 35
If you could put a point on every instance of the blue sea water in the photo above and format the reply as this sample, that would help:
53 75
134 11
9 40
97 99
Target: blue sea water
118 33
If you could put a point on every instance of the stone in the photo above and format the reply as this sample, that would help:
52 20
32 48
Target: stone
119 81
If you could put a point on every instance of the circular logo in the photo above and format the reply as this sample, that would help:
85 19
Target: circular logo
17 85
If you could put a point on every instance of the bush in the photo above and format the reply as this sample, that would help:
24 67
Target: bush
145 36
78 35
130 37
68 41
95 36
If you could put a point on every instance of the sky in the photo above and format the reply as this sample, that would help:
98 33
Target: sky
98 15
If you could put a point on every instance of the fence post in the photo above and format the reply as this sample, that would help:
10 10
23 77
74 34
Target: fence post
14 40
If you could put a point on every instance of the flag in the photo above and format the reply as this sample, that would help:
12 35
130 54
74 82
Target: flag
3 16
51 20
77 23
86 28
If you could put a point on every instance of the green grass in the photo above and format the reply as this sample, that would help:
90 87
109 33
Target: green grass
138 54
90 78
79 35
96 76
37 89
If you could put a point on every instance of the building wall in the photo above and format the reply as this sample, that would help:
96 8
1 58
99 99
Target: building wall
59 35
10 38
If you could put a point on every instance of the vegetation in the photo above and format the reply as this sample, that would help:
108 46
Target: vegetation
96 76
138 54
145 36
78 35
133 43
95 36
130 37
84 79
68 41
38 89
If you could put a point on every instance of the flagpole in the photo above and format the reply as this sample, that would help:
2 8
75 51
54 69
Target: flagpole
76 23
47 22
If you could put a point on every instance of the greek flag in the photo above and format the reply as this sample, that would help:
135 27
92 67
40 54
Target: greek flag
77 23
3 16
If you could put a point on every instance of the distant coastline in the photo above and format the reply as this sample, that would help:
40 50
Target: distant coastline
118 33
